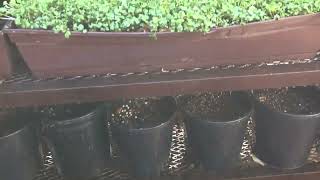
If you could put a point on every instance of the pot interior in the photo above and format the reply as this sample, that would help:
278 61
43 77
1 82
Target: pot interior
143 113
296 101
68 111
231 107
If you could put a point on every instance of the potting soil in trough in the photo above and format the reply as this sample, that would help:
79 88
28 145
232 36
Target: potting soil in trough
139 113
218 105
291 100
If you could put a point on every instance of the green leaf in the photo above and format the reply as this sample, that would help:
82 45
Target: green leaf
80 27
148 15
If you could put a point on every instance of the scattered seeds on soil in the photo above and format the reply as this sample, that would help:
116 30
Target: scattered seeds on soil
218 105
290 100
138 113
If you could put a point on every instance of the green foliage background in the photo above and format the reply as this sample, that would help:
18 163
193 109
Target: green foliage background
149 15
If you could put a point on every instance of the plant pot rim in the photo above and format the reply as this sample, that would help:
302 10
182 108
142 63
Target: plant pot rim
93 112
150 34
24 128
290 114
168 121
245 116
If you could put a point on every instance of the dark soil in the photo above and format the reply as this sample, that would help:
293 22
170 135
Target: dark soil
291 100
215 107
67 112
140 113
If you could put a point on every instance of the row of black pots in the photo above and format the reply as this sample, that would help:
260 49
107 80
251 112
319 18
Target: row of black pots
283 140
79 142
80 145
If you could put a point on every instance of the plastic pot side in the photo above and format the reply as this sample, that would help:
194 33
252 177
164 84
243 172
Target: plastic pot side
146 149
20 154
80 146
284 140
218 144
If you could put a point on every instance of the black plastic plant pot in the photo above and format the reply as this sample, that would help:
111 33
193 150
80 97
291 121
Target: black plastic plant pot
147 149
79 142
20 152
216 142
284 140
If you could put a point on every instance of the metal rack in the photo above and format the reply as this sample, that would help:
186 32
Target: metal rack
23 90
